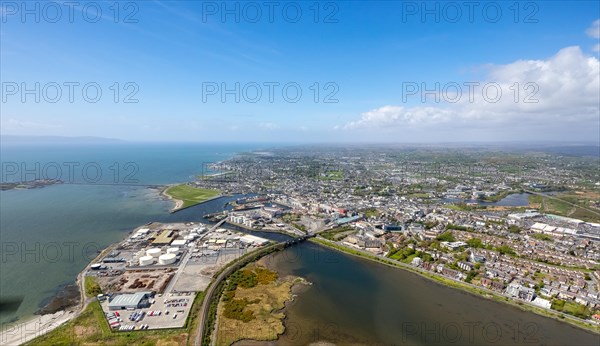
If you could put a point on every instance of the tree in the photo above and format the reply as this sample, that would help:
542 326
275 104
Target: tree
505 249
446 236
514 229
427 257
475 243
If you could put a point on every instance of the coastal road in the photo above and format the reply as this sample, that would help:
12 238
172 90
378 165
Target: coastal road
203 314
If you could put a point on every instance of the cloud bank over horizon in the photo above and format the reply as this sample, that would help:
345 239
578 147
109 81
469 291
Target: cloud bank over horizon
563 90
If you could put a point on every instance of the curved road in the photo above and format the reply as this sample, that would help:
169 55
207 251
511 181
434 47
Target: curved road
211 290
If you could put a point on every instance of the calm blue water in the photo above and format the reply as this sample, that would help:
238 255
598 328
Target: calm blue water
48 235
114 163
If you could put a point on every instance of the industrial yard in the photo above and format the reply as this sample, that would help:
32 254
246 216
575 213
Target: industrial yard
150 279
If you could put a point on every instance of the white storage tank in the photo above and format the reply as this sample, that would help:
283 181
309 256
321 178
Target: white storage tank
167 259
146 260
174 250
154 252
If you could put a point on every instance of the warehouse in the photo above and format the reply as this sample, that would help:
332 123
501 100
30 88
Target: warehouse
129 301
164 238
253 240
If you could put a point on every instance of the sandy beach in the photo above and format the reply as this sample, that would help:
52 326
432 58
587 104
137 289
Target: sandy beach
21 332
178 202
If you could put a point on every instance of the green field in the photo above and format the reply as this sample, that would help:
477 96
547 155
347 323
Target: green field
563 208
190 195
338 233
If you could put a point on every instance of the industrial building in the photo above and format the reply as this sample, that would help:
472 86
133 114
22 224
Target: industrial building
165 238
129 301
253 240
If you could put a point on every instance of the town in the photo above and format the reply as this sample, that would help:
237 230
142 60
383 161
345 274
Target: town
525 227
515 231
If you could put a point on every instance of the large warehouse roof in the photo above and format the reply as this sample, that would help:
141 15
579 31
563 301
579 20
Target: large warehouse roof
128 300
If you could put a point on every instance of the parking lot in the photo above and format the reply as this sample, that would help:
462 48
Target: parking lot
169 311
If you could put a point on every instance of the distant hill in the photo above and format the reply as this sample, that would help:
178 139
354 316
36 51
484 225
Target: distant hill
576 150
34 140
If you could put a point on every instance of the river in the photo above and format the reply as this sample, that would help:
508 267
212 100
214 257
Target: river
357 301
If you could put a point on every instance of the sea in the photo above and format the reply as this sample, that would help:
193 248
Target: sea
49 234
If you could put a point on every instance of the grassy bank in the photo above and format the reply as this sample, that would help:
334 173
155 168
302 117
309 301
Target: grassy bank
215 298
189 195
480 291
250 305
92 288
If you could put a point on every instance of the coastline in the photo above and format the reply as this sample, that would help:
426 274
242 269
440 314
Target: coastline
30 326
466 287
178 202
35 326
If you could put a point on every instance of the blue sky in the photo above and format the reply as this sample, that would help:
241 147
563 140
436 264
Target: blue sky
370 53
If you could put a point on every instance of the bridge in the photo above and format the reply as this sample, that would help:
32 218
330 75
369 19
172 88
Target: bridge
230 269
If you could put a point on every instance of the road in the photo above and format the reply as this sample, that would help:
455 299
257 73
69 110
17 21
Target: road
562 200
180 269
185 260
233 266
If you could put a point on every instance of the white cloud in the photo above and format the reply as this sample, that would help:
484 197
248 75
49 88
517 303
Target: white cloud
268 126
14 124
395 115
594 30
563 90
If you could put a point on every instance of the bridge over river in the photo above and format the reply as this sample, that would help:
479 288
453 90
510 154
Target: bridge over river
213 293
